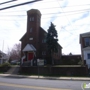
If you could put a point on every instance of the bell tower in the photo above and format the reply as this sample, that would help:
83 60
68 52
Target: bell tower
33 19
33 26
30 40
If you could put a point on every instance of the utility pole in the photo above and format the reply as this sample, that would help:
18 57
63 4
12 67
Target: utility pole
3 46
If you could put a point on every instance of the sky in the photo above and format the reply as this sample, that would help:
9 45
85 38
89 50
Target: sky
71 18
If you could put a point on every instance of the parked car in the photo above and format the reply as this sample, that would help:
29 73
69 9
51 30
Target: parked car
15 62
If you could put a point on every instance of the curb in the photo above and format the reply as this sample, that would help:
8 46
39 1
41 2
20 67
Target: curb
50 78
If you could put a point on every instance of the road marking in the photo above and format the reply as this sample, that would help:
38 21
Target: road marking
33 87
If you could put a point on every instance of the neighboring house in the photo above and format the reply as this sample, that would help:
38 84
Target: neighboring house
3 57
85 47
33 43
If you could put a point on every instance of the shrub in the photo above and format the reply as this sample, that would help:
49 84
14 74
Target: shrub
71 61
5 65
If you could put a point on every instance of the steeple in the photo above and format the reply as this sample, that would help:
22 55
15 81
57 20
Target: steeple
33 26
33 19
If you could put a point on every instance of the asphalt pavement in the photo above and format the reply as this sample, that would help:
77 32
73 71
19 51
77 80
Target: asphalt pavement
21 82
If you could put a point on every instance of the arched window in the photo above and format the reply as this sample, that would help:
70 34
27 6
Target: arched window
30 30
32 18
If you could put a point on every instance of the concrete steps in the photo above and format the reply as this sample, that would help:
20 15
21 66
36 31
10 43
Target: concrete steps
13 70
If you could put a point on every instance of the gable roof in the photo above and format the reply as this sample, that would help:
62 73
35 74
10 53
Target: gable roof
46 33
29 47
87 34
40 29
23 37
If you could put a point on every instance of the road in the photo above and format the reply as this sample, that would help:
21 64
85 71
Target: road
18 83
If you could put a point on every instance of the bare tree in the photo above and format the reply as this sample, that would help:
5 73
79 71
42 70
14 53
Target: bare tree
15 52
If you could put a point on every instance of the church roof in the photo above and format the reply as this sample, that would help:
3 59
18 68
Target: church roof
23 37
29 47
34 11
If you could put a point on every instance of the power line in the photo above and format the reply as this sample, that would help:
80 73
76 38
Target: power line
66 16
71 41
48 8
42 17
25 10
51 7
78 5
69 32
16 0
77 11
7 2
19 4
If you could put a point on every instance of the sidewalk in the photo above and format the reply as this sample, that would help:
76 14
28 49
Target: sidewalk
46 77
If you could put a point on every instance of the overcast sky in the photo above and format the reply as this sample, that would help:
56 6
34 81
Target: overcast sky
71 18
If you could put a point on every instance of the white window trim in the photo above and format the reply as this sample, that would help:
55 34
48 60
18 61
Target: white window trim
86 43
87 55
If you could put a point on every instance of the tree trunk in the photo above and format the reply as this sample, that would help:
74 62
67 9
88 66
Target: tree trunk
52 58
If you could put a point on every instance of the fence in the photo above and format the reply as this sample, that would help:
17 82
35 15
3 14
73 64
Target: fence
57 71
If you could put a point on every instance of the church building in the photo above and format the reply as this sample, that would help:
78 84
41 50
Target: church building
33 42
